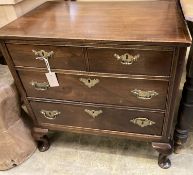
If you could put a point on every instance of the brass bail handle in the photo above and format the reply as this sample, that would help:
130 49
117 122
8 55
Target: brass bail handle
51 115
142 122
44 56
144 95
40 86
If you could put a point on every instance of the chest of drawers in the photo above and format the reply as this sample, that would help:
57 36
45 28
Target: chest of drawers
118 70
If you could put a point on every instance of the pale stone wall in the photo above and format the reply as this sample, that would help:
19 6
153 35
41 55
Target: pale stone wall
12 9
9 1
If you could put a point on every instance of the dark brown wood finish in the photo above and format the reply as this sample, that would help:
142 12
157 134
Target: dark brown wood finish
111 119
42 139
105 60
164 149
108 90
147 22
69 58
172 99
84 41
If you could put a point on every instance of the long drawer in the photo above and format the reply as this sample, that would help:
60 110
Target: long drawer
60 57
102 118
95 89
131 61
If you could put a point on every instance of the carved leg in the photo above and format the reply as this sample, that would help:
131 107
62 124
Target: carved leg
164 149
41 138
185 118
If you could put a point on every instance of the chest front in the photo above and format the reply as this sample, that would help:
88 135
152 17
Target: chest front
116 81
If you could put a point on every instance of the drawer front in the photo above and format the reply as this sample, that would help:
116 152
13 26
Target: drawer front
130 61
70 58
105 90
99 118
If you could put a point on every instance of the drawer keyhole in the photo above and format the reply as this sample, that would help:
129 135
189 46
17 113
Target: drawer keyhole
127 59
93 113
89 82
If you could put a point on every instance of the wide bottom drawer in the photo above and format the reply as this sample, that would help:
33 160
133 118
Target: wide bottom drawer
103 118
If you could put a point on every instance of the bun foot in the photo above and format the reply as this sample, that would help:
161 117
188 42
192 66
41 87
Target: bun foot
43 144
41 138
164 149
164 162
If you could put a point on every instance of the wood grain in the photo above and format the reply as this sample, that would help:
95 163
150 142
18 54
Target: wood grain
84 36
109 119
149 22
107 91
69 58
150 61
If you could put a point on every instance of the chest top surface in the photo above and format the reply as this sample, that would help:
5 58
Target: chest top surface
150 22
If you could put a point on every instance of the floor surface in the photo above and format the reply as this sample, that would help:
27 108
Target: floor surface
75 154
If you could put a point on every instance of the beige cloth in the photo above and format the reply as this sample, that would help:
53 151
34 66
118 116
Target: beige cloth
16 142
187 7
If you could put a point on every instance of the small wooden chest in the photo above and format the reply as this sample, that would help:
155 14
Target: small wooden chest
118 65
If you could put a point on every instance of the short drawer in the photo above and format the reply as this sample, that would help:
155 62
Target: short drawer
70 58
106 90
122 120
130 61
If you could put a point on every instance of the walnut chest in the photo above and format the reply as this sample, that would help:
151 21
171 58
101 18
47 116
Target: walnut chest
108 68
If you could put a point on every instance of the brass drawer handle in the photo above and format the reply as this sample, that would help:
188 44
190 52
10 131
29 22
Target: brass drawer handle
89 82
51 115
40 86
43 54
142 122
93 113
144 95
127 59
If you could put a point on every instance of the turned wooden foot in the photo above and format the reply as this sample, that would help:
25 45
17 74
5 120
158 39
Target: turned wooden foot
43 144
164 149
163 161
41 139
